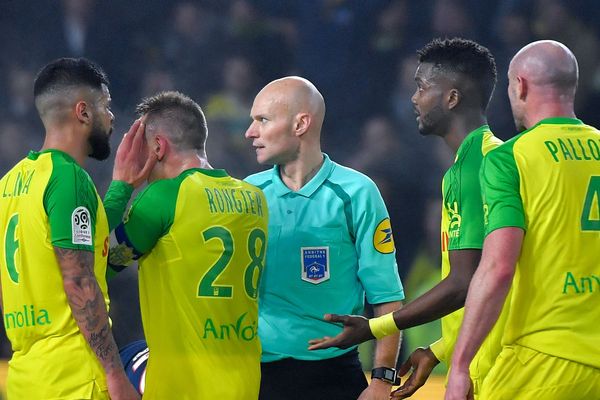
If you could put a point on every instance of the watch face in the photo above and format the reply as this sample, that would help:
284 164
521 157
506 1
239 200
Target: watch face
389 375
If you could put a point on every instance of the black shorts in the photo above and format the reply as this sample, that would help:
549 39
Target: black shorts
339 378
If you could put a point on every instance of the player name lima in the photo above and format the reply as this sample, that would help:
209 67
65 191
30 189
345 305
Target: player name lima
234 201
572 149
244 330
30 316
17 185
583 284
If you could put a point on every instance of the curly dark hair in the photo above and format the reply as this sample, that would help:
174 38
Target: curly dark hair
67 72
471 60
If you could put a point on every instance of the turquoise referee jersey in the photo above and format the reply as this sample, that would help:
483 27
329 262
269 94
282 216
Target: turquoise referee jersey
329 244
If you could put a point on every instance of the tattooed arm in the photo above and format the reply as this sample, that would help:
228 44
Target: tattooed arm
89 311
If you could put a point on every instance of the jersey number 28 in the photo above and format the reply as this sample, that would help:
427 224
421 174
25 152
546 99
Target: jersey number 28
256 250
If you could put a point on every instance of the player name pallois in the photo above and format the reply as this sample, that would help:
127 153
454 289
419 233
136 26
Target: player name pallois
573 149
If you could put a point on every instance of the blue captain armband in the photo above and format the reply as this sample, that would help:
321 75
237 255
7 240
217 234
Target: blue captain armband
122 239
122 255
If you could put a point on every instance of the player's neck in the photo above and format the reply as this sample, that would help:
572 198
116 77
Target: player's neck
549 110
67 141
461 127
172 167
299 172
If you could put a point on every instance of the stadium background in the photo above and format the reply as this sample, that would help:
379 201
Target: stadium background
359 53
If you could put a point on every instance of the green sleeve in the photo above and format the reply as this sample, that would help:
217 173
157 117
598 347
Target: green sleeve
71 203
466 225
500 187
115 202
150 216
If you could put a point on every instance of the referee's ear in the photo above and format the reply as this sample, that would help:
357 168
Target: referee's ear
302 123
454 97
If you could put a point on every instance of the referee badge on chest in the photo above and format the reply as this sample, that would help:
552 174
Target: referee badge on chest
315 264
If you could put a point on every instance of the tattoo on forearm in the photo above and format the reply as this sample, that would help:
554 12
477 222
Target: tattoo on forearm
87 303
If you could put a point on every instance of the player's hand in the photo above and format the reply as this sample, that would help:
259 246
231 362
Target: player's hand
356 330
422 361
120 388
377 390
460 386
133 161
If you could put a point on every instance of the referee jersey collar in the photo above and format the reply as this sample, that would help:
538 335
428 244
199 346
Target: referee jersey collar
311 186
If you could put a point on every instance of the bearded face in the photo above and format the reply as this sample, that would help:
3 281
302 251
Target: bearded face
99 141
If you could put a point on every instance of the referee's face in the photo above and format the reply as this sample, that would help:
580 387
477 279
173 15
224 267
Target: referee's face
427 101
271 130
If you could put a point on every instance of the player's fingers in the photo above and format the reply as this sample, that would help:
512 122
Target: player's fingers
138 139
336 318
132 129
405 390
324 343
396 394
128 136
150 162
408 389
405 367
317 341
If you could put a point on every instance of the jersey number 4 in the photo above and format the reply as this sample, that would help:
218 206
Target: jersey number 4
256 251
590 217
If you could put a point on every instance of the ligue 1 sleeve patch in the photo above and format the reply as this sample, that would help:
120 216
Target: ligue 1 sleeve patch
315 264
383 241
81 226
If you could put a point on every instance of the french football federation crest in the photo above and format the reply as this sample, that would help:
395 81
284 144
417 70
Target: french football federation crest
315 264
383 241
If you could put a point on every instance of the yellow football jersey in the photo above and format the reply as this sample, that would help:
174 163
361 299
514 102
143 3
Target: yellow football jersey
48 200
462 228
203 240
547 182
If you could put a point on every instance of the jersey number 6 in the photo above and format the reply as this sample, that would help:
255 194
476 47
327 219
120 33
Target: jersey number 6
11 245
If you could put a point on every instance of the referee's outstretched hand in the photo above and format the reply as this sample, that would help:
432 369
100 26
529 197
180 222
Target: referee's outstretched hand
356 330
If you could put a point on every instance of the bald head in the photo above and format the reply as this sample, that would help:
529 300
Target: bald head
297 95
547 63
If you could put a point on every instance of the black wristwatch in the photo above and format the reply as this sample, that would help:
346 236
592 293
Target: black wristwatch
386 374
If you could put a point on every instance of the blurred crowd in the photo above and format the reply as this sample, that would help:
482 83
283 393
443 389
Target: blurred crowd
359 53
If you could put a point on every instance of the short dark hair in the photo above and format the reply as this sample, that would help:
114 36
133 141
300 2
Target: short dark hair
466 57
180 114
65 72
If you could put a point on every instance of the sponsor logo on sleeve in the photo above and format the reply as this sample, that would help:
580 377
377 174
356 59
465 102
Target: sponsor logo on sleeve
315 264
383 241
81 226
